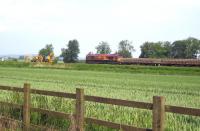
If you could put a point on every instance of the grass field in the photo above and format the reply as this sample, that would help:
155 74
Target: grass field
180 86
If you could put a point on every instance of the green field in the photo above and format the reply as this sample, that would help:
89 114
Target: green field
180 87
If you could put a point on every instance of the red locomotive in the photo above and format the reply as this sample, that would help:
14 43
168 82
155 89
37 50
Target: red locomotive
102 58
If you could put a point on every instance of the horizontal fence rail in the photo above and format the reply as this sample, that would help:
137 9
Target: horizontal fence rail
135 104
182 110
53 93
158 108
115 125
9 88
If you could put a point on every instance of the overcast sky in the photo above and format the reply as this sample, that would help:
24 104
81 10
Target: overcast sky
27 25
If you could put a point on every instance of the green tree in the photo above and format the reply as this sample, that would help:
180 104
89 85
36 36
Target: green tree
103 48
55 60
48 49
193 47
125 49
70 54
188 48
168 47
178 49
155 50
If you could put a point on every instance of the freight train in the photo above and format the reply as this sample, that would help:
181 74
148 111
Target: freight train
117 59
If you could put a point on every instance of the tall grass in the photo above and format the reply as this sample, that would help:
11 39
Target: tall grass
14 64
163 70
179 90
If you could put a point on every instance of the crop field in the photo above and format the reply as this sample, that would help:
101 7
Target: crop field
179 90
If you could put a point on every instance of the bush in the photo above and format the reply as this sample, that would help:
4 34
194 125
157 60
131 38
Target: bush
55 61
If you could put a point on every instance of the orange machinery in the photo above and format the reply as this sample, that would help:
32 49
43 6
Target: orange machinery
40 58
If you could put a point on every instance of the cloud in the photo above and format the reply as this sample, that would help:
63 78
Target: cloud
3 28
92 21
61 16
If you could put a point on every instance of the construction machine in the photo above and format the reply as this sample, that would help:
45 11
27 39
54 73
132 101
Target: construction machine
50 58
40 58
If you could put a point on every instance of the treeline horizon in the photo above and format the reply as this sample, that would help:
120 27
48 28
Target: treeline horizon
180 49
188 48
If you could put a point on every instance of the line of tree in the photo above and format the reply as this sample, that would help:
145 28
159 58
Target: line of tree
125 48
185 49
70 54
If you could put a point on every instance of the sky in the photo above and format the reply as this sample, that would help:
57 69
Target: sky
26 26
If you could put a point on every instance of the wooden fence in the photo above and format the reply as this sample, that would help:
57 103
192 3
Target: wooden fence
158 108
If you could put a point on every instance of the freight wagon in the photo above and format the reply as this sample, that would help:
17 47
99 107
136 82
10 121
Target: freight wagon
164 62
117 59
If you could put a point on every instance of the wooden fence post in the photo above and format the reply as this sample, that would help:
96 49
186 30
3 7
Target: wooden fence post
158 113
80 109
26 107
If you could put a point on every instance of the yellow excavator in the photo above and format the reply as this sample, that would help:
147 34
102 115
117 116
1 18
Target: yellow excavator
50 58
40 58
